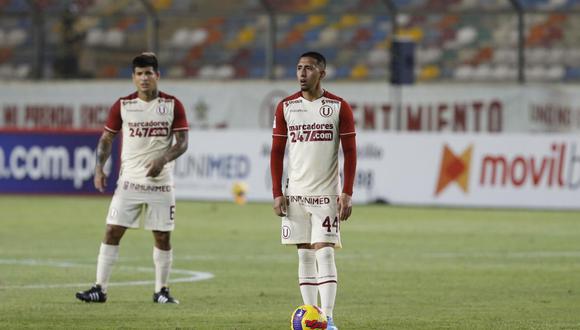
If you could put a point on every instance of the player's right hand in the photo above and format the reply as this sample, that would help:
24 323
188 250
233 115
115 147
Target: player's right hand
100 180
344 206
280 206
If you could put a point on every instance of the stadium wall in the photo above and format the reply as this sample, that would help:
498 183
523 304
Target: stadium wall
48 133
464 108
478 170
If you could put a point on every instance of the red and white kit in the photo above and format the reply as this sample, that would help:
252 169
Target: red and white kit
313 131
147 134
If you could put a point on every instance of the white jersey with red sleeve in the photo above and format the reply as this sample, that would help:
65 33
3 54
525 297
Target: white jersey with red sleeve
147 134
313 130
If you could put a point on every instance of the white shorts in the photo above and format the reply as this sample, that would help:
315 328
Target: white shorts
155 202
311 219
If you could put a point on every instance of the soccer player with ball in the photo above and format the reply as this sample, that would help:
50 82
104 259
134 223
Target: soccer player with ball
313 122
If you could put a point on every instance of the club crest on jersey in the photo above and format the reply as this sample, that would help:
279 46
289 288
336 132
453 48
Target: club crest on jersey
326 111
162 109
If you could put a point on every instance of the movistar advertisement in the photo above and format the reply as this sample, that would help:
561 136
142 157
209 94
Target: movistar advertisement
51 162
521 171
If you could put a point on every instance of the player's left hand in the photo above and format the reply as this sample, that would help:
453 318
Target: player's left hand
100 179
280 206
344 206
155 166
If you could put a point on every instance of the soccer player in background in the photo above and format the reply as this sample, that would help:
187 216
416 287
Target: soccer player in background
149 121
313 122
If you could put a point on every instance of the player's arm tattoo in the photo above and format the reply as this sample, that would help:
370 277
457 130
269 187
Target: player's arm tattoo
180 146
104 149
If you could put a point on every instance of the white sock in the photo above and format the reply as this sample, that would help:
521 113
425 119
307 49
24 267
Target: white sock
108 255
327 279
307 276
162 260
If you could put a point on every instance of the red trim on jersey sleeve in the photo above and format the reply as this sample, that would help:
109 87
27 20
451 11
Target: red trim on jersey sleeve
346 119
280 128
114 121
179 119
279 137
277 163
348 143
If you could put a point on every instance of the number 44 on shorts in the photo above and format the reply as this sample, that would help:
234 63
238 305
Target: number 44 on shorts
326 223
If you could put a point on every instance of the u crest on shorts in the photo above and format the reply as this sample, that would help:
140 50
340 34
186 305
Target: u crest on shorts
311 219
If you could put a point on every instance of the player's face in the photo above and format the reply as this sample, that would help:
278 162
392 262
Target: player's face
308 73
145 79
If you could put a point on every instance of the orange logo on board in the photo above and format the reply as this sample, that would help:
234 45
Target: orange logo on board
454 169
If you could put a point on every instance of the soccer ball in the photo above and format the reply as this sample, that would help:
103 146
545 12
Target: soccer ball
308 317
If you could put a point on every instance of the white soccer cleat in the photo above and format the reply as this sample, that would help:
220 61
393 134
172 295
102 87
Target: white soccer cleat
330 324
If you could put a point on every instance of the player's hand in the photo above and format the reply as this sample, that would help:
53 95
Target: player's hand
344 206
280 206
100 180
155 166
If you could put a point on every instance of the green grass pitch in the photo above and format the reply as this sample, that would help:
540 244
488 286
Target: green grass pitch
400 268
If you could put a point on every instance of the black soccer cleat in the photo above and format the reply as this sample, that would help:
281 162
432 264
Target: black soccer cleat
163 297
94 294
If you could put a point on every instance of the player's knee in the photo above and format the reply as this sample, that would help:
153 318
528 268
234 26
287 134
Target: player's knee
162 240
306 256
320 245
113 235
325 262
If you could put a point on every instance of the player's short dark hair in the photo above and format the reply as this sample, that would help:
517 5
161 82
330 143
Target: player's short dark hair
320 60
144 60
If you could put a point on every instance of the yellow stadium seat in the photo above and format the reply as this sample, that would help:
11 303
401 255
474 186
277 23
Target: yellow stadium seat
315 20
316 4
162 4
348 21
414 33
247 35
360 71
429 72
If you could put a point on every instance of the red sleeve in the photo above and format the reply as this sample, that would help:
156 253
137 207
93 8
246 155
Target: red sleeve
277 164
348 142
349 151
114 121
279 137
346 119
279 128
179 119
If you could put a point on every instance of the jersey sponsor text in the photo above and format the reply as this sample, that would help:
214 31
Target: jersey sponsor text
309 200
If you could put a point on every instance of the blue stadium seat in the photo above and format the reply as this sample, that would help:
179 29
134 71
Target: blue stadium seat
572 74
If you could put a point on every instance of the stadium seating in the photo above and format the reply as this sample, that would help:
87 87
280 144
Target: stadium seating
472 40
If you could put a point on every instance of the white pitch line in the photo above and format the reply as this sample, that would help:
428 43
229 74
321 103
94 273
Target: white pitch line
512 255
190 275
